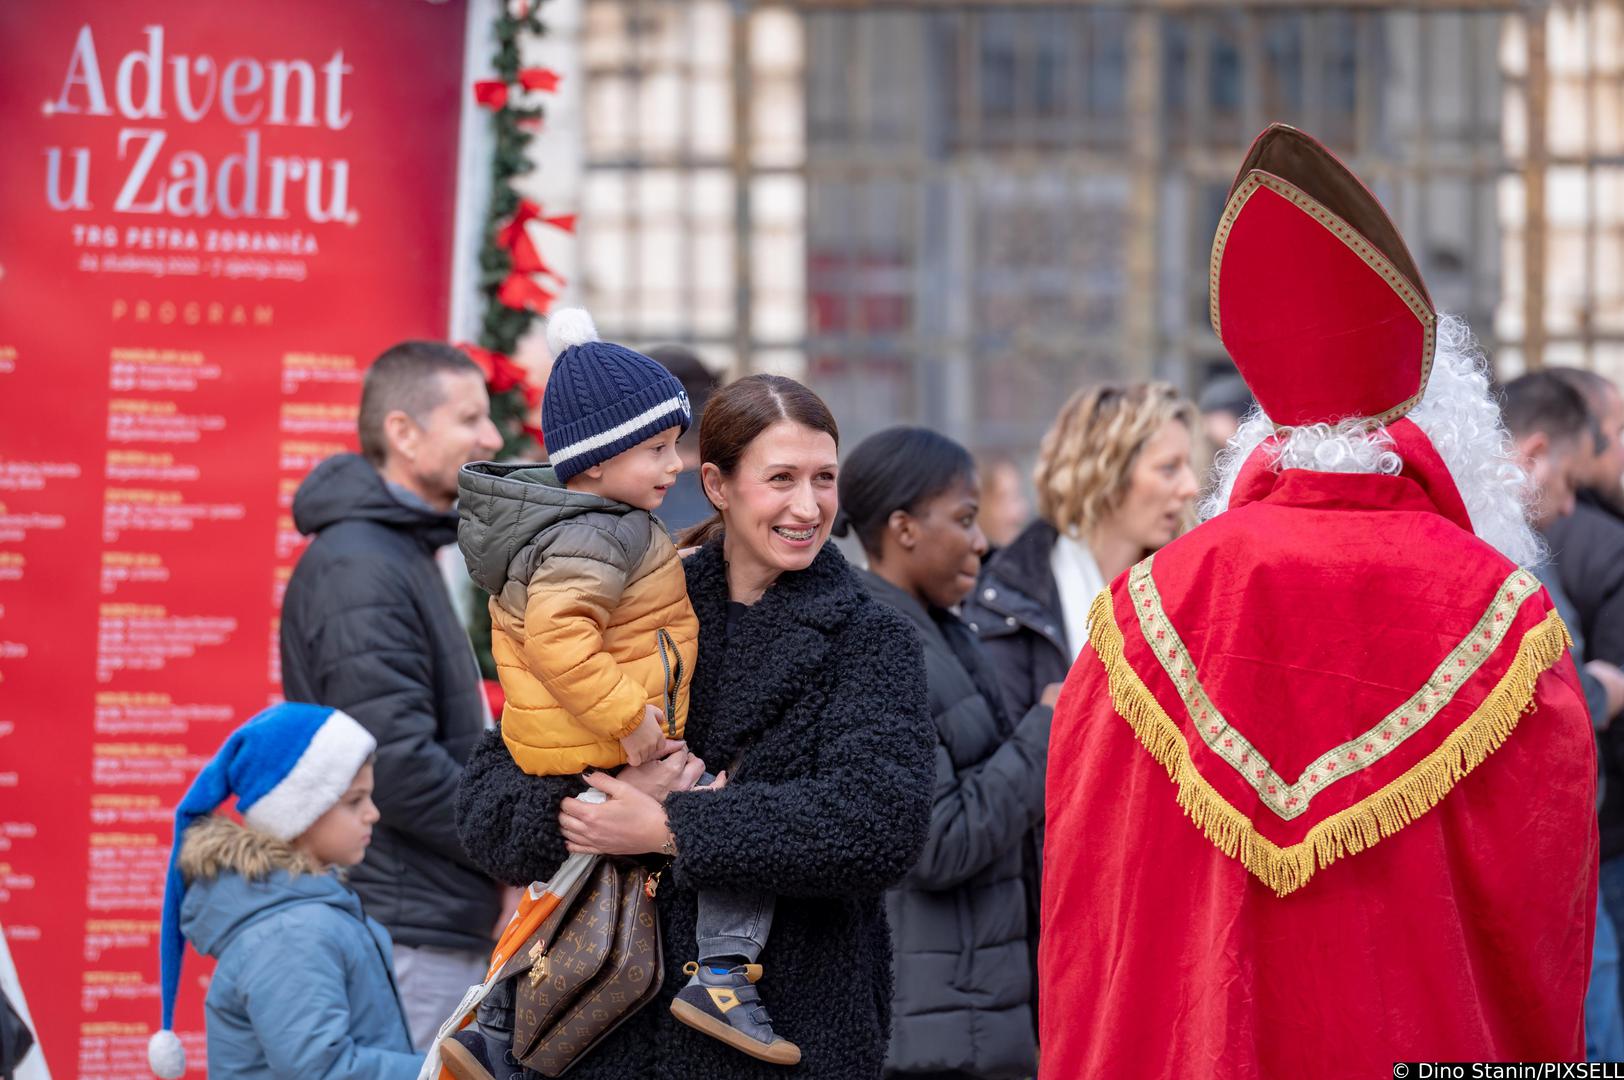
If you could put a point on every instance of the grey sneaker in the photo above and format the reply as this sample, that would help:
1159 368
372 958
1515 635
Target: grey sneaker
726 1006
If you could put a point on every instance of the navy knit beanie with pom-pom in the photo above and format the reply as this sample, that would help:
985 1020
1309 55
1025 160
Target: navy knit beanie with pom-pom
602 399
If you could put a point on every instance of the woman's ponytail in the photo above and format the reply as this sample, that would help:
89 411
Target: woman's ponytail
701 534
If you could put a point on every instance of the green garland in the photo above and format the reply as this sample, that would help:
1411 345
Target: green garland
502 326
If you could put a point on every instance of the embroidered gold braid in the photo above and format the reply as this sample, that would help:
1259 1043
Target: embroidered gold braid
1347 832
1291 798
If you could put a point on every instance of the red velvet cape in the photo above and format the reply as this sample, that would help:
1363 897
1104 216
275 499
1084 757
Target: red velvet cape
1320 798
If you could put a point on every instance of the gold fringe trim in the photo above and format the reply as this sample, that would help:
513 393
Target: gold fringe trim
1347 832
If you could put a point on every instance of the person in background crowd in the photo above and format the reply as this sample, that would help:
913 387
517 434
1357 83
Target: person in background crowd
1587 543
1552 433
1321 790
811 695
1587 549
1224 403
963 1007
685 504
1114 481
302 987
1603 482
368 627
1005 510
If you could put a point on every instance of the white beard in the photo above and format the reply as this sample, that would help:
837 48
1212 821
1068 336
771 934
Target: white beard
1457 413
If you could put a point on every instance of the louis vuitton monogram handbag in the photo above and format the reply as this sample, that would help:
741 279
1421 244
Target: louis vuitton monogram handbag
594 962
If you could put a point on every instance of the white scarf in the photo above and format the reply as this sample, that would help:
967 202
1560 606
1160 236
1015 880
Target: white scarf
1078 579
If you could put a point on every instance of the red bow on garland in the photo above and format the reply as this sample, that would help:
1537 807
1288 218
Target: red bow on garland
521 293
528 211
519 290
502 373
544 79
512 236
493 93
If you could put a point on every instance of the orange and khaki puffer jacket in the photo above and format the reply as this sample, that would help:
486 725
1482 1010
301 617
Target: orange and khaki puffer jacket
590 619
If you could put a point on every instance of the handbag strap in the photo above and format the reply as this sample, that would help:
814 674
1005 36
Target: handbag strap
541 909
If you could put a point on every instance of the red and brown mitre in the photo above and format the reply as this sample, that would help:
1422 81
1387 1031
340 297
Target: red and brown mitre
1313 292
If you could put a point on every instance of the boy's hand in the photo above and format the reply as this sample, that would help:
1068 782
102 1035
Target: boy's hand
672 769
718 782
646 739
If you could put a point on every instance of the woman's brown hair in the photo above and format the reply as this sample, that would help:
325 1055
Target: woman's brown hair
739 412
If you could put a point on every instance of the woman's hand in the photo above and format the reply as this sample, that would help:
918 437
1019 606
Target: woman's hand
629 823
674 770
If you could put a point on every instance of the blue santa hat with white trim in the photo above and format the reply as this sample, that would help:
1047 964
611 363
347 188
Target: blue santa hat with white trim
287 766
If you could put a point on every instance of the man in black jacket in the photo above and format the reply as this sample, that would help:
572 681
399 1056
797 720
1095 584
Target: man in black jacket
1587 547
1586 544
368 627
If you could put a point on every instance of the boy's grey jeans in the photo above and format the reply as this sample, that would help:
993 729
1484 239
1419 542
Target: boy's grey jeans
732 923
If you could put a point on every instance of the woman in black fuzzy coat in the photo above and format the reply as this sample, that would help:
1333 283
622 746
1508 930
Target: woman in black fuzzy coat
817 692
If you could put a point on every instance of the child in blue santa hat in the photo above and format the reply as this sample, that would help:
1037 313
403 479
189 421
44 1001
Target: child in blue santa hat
303 986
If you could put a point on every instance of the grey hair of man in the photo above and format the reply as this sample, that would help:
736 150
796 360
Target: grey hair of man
405 377
1597 390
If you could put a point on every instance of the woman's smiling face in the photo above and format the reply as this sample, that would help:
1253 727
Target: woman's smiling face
780 502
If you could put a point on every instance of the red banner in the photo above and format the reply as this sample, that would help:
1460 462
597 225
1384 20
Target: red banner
211 219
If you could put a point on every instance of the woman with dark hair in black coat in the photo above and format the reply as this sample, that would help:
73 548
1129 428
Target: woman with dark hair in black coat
816 691
959 922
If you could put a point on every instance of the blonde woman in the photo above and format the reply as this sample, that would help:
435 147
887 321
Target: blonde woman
1114 482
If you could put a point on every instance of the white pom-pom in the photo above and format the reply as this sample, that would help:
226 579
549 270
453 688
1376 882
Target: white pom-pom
569 326
166 1055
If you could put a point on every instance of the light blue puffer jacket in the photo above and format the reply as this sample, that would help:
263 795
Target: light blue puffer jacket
304 987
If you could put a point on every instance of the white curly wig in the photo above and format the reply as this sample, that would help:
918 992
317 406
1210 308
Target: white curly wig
1460 417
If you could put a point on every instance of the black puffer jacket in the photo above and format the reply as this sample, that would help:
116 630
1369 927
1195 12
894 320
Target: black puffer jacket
1588 548
822 690
959 922
367 627
1016 611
